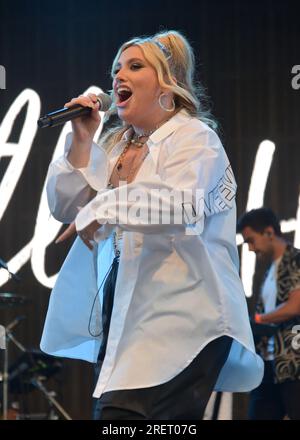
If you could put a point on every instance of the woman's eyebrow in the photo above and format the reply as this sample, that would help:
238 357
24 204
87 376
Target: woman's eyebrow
130 61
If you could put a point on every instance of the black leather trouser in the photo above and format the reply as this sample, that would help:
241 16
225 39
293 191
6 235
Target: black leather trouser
182 398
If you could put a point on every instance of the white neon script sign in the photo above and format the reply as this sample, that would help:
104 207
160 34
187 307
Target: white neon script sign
47 228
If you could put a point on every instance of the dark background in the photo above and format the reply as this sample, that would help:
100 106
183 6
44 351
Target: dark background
245 52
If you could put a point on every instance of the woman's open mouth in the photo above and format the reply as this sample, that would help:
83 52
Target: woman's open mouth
123 96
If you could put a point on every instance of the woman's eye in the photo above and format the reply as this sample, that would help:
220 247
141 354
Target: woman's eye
136 66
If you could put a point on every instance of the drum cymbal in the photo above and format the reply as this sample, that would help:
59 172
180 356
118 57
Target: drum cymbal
8 299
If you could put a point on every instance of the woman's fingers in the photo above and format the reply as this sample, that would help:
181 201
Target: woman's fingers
86 238
71 230
93 97
88 233
95 102
87 243
85 101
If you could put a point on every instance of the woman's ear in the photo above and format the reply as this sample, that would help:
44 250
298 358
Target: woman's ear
166 79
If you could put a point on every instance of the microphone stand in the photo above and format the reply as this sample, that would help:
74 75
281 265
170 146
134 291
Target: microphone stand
5 379
6 336
3 265
36 382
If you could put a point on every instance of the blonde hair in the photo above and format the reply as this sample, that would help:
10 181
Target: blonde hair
171 55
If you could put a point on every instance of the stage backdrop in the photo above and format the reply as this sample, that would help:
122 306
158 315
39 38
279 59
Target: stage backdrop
247 58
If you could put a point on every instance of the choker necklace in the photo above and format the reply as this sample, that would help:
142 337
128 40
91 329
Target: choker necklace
136 137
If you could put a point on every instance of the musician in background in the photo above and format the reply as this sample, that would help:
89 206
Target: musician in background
279 303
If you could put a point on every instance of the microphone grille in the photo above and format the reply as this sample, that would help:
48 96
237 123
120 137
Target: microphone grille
105 101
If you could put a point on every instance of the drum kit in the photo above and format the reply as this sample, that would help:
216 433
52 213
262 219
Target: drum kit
30 371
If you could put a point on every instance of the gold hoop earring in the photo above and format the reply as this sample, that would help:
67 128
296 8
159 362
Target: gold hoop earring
162 106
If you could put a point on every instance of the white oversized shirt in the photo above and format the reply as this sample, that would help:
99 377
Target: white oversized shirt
175 292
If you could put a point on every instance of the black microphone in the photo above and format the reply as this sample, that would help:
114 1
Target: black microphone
65 114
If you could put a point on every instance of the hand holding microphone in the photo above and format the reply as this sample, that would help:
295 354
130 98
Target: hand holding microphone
84 114
77 107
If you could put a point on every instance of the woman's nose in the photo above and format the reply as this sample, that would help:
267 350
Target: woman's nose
119 77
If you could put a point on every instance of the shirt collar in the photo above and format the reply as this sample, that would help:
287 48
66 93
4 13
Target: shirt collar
165 130
170 126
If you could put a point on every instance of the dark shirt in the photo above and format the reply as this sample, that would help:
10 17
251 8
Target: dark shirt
286 357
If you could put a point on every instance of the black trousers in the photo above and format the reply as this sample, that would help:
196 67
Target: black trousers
273 401
182 398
